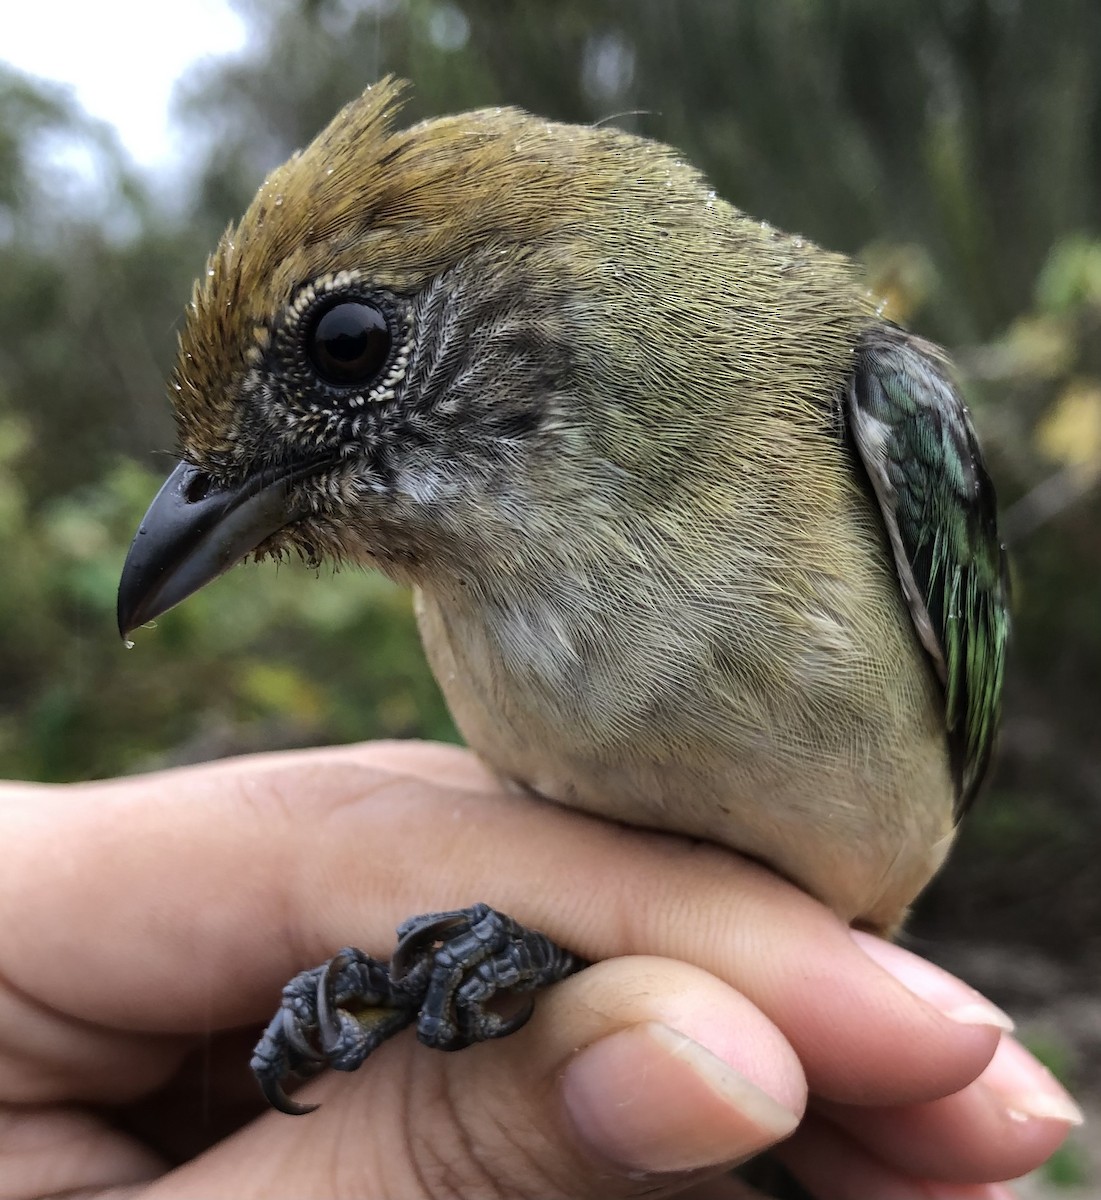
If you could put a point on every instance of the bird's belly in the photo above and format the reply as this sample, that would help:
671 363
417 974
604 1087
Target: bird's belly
863 830
823 832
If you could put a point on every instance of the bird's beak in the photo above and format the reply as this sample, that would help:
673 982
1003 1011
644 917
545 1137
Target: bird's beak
195 530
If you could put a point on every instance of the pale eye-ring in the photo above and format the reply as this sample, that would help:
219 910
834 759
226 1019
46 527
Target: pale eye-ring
348 342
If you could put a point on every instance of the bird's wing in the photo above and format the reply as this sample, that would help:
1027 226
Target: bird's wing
913 433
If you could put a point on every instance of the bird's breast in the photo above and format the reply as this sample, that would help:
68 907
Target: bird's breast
610 711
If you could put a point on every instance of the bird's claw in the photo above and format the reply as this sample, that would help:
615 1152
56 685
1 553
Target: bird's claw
328 1024
333 1015
279 1053
447 969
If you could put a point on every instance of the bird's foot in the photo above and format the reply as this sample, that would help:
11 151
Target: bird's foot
333 1015
447 972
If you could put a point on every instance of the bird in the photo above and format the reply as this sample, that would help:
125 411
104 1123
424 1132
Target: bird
698 539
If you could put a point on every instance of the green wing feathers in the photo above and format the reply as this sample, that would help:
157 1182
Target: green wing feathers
913 433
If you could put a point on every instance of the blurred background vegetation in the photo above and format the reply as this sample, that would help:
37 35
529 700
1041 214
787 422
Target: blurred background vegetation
954 145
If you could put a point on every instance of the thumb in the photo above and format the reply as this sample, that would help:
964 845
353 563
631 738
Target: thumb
638 1076
659 1072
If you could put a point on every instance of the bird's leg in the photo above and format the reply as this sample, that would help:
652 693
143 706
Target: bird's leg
446 972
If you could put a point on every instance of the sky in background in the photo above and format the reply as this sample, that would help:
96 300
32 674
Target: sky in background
121 58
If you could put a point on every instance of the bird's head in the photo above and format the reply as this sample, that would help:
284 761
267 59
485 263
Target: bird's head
429 349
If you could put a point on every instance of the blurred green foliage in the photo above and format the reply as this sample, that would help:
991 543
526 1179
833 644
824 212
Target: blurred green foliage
954 144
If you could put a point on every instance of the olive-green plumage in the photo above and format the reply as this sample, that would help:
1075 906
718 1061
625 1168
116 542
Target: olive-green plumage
698 541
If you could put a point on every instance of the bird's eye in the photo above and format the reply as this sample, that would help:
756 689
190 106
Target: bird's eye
349 343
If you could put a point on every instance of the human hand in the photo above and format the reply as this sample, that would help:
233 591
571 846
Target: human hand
150 922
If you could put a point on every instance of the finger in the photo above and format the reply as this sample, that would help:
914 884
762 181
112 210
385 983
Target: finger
67 1152
48 1056
1007 1123
630 1079
668 896
259 867
832 1166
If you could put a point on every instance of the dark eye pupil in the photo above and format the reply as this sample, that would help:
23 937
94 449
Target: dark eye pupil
349 343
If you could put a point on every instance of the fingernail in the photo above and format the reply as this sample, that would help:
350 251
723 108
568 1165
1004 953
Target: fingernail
651 1100
1027 1088
949 995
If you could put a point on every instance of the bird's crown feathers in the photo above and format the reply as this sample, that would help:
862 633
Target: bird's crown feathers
397 206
